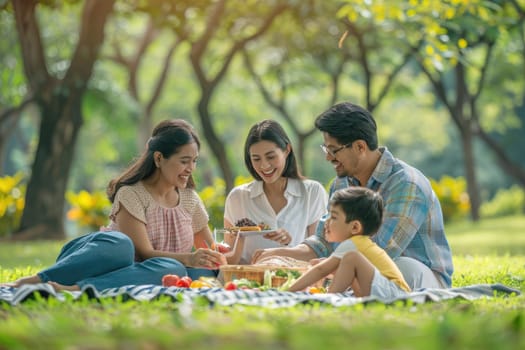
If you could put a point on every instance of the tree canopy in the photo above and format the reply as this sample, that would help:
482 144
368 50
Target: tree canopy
83 82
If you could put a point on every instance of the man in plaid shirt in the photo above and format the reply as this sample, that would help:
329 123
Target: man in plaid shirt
412 232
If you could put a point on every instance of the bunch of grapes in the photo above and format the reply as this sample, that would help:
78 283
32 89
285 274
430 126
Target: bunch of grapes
245 222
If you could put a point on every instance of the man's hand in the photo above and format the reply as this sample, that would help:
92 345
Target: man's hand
300 252
315 261
264 253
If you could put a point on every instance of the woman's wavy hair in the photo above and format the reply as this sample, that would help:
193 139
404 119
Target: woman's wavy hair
272 131
167 138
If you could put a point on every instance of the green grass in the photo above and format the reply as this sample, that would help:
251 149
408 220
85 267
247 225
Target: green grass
492 251
492 236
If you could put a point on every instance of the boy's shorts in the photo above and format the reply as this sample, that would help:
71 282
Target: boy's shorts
385 289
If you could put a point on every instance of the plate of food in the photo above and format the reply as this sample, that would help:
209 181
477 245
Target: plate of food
249 233
247 227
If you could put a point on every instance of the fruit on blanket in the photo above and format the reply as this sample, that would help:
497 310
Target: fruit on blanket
230 286
316 290
184 282
199 284
170 280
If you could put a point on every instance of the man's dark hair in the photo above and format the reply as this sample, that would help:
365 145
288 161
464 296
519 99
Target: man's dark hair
347 122
361 204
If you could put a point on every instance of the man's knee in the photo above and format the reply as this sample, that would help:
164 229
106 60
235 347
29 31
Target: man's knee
416 274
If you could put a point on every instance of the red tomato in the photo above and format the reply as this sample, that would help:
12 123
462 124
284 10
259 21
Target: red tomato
170 280
230 286
187 279
183 283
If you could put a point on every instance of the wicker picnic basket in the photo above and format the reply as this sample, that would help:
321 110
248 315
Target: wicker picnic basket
256 272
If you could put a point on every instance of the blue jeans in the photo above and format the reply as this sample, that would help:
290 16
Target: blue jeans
106 260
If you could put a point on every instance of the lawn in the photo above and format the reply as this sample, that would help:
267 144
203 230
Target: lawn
492 251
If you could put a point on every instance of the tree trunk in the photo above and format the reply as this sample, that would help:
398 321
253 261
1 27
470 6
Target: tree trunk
216 146
60 103
60 124
470 172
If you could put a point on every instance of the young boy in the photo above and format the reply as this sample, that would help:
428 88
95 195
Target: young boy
359 263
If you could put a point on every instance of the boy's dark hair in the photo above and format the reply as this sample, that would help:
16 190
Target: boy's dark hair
347 122
361 204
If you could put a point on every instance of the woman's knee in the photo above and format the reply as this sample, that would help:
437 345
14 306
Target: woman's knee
115 246
164 266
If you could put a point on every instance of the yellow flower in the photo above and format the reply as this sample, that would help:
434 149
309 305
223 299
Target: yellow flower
88 209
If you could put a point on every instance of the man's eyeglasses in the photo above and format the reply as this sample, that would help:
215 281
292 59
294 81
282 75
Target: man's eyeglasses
333 152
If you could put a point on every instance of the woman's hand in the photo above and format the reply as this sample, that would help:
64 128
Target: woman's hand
280 236
207 258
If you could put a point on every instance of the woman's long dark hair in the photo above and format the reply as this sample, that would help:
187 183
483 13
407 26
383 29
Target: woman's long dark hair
167 138
270 130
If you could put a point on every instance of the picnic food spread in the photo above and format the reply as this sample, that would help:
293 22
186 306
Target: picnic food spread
271 273
276 272
246 224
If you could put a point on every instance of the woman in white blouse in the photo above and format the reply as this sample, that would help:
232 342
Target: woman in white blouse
279 196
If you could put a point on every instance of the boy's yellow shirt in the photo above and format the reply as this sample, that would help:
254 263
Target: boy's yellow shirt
380 259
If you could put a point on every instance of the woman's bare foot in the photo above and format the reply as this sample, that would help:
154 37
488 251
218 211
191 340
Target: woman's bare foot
24 280
60 287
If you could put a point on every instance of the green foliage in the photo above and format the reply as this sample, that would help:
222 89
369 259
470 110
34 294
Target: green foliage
452 196
213 198
506 202
12 200
447 28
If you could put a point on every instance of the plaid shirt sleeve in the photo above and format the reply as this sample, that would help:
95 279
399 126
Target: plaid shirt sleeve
321 247
405 210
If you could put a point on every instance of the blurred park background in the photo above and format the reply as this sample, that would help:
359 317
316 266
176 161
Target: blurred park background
82 83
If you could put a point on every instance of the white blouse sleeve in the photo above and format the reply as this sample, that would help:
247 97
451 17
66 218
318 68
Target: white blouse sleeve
318 201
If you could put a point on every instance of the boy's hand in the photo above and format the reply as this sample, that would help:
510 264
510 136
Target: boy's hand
316 261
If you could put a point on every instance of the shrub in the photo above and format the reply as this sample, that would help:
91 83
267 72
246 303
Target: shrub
12 202
88 210
453 196
214 197
506 202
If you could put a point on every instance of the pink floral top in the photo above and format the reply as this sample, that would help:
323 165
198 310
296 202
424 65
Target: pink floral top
169 229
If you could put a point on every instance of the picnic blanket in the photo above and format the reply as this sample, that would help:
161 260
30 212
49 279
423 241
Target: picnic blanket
219 296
